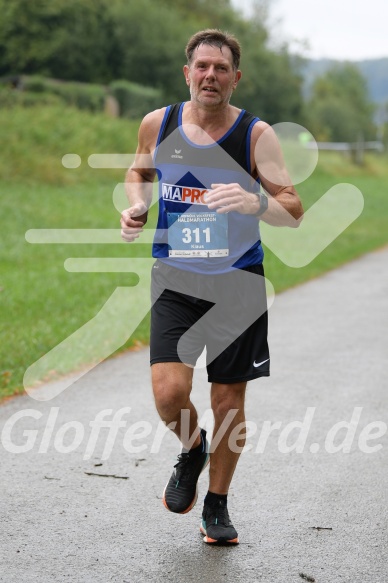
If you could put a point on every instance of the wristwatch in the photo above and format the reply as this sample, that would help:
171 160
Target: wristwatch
263 204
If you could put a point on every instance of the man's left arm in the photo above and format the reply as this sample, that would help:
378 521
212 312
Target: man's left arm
280 205
284 205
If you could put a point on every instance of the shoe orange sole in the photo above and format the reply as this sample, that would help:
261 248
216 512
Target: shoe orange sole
213 541
192 504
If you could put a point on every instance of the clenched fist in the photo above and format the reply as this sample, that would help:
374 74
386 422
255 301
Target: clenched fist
132 221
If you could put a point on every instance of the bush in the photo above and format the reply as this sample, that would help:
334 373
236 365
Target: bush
35 89
34 83
135 100
13 97
80 95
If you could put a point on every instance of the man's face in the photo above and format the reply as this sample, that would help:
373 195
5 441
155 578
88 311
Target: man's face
211 76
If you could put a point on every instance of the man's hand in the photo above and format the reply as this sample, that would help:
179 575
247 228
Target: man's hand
132 221
232 197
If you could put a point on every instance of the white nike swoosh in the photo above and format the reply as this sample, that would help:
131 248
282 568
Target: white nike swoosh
257 364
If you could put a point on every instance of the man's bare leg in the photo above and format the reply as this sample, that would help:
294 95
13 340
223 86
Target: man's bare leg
228 408
172 384
223 460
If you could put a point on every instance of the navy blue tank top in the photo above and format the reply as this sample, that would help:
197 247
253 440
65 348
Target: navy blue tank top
185 172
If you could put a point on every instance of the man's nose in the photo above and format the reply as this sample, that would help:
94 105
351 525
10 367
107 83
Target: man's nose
211 72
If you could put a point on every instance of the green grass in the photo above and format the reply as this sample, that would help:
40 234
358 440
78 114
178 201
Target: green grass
42 303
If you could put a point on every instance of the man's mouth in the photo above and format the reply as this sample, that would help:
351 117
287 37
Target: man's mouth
210 89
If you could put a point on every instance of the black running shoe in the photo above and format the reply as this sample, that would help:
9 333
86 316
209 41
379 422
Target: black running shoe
181 492
216 525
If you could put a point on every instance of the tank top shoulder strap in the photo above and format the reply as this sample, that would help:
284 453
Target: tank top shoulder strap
238 143
170 121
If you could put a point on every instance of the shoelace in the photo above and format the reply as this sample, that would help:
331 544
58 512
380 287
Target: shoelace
181 465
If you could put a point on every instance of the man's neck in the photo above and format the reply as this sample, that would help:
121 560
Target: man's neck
215 121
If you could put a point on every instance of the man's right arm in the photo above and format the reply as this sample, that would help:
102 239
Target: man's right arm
140 177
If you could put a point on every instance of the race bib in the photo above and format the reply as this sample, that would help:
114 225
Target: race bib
198 234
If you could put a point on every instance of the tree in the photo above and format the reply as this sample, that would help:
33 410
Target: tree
339 109
143 41
65 39
150 40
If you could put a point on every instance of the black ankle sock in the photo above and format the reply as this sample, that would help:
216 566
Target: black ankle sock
212 499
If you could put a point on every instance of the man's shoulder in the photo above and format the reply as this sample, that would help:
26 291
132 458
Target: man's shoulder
153 120
149 128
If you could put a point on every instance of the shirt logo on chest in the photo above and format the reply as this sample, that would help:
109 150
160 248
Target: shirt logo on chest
177 154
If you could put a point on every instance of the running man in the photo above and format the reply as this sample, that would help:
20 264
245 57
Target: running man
219 175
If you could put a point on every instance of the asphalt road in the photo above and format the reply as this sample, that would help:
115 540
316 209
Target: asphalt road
80 503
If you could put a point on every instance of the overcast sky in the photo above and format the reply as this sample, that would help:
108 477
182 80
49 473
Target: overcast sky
339 29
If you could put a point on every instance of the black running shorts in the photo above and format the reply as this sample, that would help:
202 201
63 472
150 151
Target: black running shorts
226 313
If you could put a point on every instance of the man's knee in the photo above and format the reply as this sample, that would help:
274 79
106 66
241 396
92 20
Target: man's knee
226 398
169 400
171 390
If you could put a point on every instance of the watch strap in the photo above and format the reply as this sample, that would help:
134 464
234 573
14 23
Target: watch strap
263 204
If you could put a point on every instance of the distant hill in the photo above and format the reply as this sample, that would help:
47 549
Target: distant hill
375 72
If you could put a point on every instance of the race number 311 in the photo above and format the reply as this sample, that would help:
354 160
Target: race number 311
194 235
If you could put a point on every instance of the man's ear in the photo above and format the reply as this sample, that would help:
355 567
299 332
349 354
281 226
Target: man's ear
237 78
186 72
